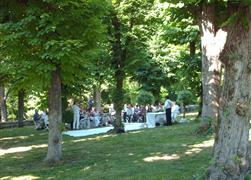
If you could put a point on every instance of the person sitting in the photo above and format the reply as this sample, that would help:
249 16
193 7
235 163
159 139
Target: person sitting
129 113
97 117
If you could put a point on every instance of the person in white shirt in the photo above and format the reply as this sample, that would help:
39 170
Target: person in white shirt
76 115
175 111
168 106
44 117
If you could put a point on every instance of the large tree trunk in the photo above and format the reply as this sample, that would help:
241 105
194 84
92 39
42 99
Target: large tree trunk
20 115
55 119
97 97
119 57
230 159
212 43
3 104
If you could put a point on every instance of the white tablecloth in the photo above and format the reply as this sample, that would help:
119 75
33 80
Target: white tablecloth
155 117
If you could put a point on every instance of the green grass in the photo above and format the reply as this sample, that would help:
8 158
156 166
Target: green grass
143 154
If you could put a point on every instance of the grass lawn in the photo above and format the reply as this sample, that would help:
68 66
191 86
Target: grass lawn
161 153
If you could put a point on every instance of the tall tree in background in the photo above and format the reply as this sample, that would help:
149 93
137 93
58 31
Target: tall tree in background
3 104
127 24
20 113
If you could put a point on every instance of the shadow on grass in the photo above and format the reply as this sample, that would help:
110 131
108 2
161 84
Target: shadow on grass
159 153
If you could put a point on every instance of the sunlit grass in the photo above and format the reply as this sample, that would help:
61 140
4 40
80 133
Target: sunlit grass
160 153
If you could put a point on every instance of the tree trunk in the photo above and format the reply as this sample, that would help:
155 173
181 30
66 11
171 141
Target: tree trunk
200 102
212 43
118 57
184 110
3 104
230 159
20 115
97 97
55 118
192 48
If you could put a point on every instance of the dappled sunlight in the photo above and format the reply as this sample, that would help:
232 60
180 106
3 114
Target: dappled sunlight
196 148
20 149
164 157
86 168
134 132
25 177
16 137
97 138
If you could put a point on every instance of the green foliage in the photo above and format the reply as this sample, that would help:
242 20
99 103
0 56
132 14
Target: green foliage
145 98
67 116
51 33
185 97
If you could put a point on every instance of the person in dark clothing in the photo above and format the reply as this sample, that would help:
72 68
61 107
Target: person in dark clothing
168 107
36 116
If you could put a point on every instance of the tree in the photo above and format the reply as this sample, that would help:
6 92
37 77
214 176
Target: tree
20 115
3 104
52 41
212 42
126 29
230 158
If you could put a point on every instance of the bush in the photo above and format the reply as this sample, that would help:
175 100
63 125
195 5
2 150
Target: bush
184 98
145 98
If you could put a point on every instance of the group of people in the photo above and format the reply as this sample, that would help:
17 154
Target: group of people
88 118
93 118
41 120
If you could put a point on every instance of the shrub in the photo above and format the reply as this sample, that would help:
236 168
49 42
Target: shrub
184 98
145 98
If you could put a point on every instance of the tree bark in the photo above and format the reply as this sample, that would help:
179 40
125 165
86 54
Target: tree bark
55 118
118 57
4 114
97 96
230 159
20 115
212 43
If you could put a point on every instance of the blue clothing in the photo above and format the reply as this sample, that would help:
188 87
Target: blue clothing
36 117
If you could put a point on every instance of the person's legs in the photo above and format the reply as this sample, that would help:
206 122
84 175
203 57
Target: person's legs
74 121
77 121
168 117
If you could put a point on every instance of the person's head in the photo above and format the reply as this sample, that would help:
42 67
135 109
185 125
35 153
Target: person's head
36 111
167 97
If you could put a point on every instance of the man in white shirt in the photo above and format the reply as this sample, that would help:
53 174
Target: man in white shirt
76 115
168 106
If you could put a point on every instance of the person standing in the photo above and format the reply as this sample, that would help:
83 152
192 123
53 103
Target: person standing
36 118
90 104
175 111
76 115
168 106
44 117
